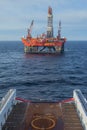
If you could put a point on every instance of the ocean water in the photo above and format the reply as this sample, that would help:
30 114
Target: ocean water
44 77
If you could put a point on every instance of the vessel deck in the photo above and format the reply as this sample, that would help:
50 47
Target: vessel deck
43 116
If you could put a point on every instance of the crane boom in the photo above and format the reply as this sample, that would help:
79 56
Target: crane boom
30 29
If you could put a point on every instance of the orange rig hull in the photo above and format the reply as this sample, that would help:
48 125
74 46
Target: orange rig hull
40 45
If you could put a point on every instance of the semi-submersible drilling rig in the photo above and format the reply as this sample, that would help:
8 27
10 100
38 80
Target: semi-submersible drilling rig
45 43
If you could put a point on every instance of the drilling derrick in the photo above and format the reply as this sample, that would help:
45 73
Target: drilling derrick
50 23
59 30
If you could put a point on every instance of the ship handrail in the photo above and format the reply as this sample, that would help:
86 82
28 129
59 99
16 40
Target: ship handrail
6 105
5 98
81 106
82 100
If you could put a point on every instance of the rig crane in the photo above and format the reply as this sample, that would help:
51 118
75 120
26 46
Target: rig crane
30 29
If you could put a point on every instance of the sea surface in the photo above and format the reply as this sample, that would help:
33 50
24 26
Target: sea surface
43 77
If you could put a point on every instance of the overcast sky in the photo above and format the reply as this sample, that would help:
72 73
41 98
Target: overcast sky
16 16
